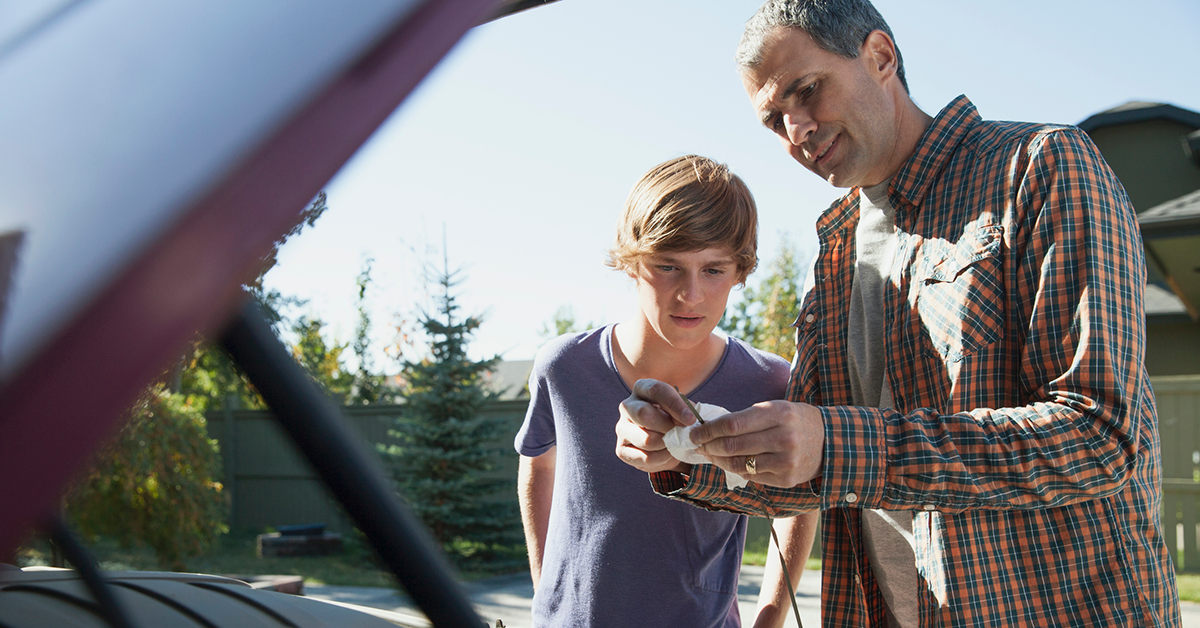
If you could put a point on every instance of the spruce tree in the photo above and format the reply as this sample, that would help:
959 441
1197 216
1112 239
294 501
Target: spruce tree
448 446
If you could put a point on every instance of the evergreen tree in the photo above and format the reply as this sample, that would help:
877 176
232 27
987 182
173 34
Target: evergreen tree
448 447
764 315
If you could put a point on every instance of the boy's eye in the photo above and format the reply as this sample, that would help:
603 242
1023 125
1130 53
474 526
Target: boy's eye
666 268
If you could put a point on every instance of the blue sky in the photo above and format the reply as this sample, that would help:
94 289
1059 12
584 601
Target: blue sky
521 147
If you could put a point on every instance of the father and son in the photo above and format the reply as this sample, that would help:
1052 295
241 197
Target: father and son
967 410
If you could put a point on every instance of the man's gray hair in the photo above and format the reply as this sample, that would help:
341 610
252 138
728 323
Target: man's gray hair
837 26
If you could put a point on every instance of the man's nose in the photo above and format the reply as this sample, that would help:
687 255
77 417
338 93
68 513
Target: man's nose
799 126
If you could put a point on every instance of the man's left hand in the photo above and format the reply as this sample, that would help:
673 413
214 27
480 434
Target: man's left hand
785 441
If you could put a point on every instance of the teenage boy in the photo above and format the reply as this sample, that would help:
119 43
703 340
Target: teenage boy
604 550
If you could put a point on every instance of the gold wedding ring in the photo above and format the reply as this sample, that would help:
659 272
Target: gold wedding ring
751 467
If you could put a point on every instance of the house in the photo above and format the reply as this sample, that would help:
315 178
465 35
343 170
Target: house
509 379
1155 150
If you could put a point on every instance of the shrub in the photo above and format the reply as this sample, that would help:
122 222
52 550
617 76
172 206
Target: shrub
155 482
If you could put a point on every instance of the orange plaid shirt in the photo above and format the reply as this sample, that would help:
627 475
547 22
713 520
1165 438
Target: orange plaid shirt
1025 438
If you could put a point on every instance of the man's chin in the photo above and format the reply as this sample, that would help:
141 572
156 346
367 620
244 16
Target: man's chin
838 182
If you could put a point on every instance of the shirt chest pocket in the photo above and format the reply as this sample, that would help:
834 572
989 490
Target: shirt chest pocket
959 289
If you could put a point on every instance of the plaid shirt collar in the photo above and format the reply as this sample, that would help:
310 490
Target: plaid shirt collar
911 183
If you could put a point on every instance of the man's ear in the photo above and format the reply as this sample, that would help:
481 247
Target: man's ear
879 53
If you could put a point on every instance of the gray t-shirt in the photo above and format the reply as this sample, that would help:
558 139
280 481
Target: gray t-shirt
616 553
886 534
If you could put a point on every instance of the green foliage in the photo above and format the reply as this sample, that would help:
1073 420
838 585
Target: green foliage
563 322
368 386
207 377
448 446
322 360
764 315
155 483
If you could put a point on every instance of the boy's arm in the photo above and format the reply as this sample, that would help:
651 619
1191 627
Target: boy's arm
535 488
774 602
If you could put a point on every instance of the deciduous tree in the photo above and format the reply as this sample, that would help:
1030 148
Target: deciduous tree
154 482
764 315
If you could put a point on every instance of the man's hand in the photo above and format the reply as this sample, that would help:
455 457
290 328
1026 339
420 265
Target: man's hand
650 412
786 440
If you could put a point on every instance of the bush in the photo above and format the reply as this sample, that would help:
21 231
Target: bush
154 483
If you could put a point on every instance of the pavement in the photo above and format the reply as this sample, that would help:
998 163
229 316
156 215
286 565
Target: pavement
508 598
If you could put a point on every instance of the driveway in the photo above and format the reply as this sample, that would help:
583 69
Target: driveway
508 598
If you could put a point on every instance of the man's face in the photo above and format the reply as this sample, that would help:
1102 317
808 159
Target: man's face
832 114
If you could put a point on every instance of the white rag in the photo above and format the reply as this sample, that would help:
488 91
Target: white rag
679 443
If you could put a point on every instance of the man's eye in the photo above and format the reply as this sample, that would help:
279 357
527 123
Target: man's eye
666 268
715 271
808 91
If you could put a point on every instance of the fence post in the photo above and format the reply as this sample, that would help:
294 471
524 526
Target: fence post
229 454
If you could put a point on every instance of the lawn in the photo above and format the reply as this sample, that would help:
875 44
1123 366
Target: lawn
1189 586
235 555
756 554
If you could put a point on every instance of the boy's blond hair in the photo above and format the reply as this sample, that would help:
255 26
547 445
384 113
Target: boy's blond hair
687 204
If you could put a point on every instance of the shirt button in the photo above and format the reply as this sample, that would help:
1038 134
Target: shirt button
857 579
930 507
810 318
851 497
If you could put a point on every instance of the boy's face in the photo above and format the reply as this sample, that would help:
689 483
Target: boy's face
682 294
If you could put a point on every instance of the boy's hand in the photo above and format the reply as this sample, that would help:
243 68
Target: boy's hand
650 412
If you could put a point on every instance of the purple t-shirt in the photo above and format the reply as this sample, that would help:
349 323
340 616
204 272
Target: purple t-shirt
616 553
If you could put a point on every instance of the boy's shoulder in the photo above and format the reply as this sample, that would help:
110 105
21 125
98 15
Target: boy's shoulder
568 347
764 360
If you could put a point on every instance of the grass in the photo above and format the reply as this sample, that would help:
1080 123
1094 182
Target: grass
235 555
756 554
1189 586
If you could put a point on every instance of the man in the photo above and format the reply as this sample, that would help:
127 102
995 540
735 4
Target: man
968 404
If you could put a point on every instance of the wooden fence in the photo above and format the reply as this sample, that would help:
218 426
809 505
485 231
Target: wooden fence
1178 400
271 485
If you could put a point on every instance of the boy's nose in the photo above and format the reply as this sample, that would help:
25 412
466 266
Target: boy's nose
689 290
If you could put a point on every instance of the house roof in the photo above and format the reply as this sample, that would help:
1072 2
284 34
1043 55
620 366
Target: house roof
1174 218
1136 111
1160 301
509 378
1171 233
